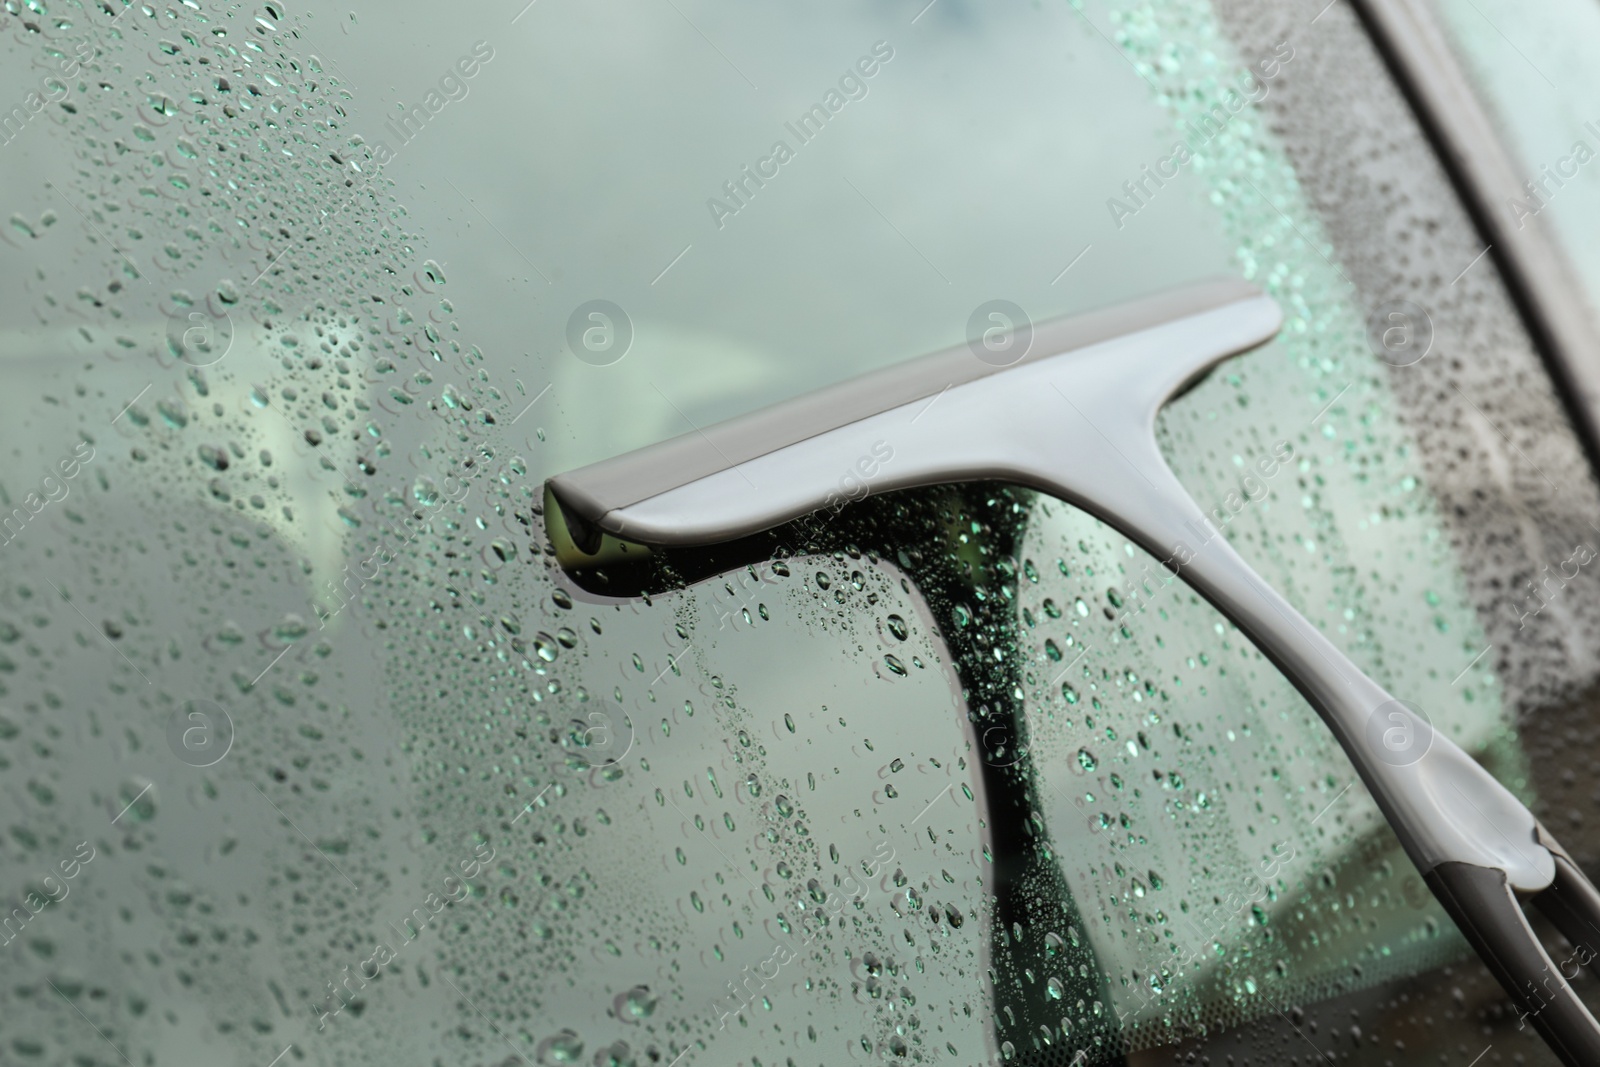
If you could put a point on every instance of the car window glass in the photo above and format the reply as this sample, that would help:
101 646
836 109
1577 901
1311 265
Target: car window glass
363 774
1210 829
1533 67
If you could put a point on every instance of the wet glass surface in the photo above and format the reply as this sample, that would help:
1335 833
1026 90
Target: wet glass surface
1534 71
345 767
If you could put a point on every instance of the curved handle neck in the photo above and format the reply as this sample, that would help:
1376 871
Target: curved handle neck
1442 804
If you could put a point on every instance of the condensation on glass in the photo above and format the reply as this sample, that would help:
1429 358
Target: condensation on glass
342 767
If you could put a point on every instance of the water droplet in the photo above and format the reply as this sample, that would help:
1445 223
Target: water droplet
636 1003
136 799
564 1047
426 492
291 628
